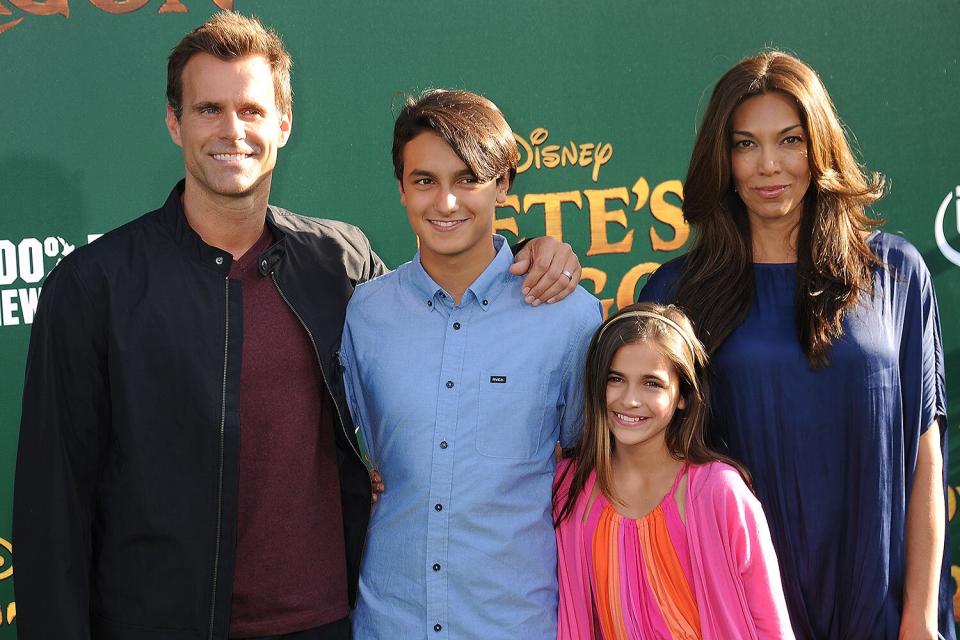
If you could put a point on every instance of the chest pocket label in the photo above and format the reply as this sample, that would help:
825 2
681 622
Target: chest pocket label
510 414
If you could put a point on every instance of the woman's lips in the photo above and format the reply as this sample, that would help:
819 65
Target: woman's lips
772 192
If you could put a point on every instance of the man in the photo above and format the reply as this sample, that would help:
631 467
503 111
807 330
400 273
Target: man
461 392
187 469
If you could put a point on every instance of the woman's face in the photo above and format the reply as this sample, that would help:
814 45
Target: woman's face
768 158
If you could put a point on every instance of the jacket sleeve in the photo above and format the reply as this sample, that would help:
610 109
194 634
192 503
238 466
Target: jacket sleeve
375 266
62 430
757 561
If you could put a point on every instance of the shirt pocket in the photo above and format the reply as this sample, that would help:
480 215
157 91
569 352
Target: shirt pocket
510 414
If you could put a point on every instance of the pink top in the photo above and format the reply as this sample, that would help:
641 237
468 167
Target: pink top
640 570
715 577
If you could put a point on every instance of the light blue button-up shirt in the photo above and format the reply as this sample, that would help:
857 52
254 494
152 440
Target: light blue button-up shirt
460 407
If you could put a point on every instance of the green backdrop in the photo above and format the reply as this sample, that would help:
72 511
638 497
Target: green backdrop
617 86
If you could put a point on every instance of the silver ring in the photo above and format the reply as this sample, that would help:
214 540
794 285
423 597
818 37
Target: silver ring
568 274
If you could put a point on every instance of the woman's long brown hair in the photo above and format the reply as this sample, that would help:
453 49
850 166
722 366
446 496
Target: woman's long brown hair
834 263
685 435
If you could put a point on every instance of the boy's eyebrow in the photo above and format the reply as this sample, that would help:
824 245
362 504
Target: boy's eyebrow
423 173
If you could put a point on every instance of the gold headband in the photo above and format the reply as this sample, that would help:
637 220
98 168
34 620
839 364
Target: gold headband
655 316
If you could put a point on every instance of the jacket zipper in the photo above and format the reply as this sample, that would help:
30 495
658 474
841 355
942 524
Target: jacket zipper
223 419
323 374
336 406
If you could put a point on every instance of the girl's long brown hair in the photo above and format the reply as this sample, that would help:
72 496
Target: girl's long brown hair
685 435
834 263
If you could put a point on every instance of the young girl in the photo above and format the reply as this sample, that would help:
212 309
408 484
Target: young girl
658 536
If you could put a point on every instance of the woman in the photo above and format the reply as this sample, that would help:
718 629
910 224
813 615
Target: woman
827 359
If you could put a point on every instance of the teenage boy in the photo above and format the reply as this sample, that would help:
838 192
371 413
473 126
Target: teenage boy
461 392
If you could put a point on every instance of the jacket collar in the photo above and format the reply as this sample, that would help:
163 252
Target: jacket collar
175 221
274 254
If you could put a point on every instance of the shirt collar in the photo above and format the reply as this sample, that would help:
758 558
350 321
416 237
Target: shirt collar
484 289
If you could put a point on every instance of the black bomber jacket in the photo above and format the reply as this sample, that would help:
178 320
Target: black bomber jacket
125 504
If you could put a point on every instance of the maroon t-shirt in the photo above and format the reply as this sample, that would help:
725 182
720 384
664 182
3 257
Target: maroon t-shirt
291 564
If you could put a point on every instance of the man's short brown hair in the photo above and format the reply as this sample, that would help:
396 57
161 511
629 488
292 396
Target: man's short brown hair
472 125
229 35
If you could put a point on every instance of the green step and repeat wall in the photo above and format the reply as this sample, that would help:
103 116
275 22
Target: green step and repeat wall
604 96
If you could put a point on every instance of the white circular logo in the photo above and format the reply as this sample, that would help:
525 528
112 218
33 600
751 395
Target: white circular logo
939 226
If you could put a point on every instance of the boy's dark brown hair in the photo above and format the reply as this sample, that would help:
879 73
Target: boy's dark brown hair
228 36
472 125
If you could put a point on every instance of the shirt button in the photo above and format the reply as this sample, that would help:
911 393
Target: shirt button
449 384
443 444
438 507
219 260
485 303
436 567
456 325
438 627
443 295
429 303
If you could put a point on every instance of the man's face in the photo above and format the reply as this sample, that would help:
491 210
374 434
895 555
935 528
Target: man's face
448 208
230 128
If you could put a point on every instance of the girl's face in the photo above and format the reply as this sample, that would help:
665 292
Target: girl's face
643 391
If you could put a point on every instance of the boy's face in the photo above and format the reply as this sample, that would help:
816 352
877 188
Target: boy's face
448 208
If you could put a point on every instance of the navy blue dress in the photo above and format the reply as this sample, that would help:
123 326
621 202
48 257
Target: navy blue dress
833 450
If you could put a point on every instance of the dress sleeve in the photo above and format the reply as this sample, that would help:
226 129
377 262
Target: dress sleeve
63 430
660 286
921 354
757 561
923 391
